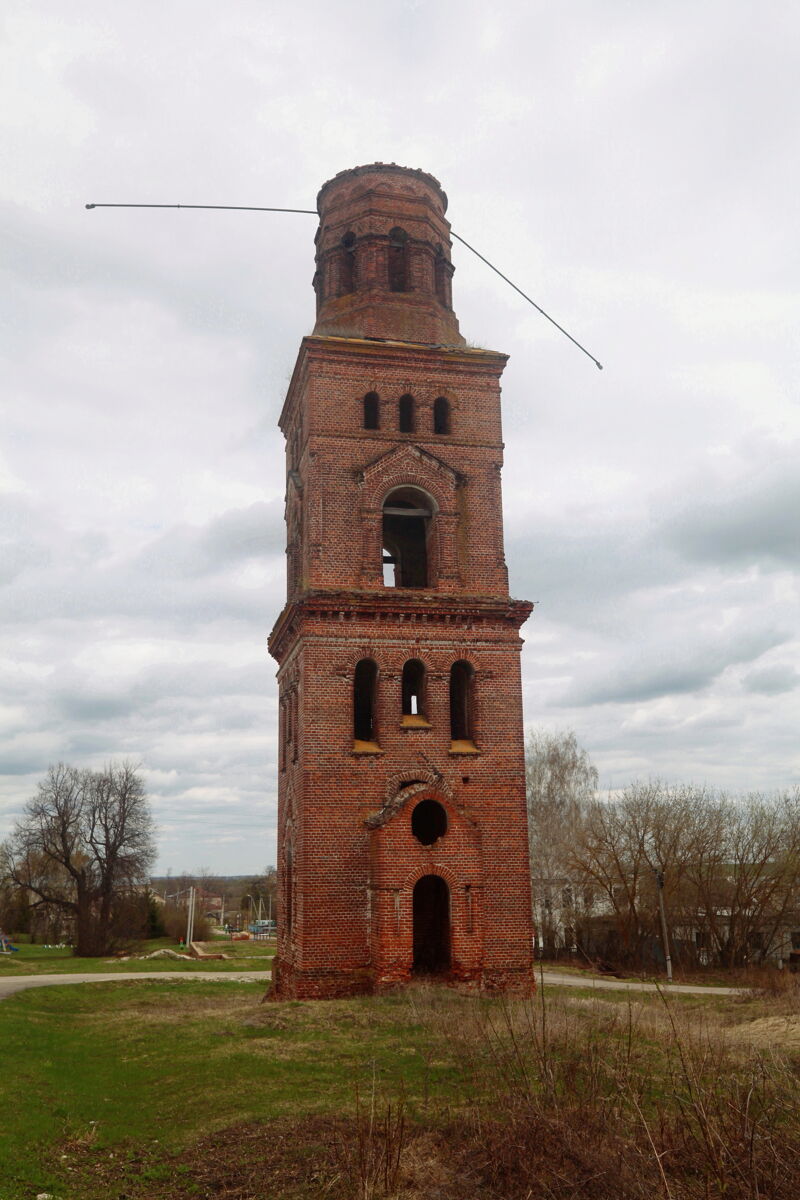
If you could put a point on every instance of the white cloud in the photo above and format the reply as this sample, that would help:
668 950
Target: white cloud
632 168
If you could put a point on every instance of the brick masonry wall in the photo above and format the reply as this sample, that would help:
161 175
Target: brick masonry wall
348 860
366 205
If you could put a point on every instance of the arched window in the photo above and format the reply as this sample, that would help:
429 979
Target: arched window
365 680
414 693
462 682
371 411
347 269
441 415
406 528
406 414
398 260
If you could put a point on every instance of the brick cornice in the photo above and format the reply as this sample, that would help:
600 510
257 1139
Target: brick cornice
409 606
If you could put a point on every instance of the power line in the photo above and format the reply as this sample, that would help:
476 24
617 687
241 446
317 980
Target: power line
312 212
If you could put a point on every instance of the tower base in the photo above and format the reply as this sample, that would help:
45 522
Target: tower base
288 983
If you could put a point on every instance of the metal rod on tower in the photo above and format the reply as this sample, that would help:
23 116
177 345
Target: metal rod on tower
312 212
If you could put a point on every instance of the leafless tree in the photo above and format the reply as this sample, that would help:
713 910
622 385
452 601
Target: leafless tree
561 782
84 846
621 847
730 868
746 872
261 894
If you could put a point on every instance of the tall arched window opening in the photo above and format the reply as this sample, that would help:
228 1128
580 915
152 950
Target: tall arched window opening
406 414
441 415
406 529
372 411
413 692
462 682
398 260
365 681
347 268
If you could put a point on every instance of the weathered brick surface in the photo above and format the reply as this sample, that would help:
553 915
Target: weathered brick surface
368 203
348 860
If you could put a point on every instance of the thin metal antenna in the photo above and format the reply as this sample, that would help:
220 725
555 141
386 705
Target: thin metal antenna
232 207
312 212
552 321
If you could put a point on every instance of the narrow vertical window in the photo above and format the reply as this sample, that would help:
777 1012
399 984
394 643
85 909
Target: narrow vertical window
365 681
413 689
440 276
441 415
347 267
371 411
406 414
462 678
398 260
288 888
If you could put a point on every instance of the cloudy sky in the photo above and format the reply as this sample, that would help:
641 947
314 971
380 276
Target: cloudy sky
632 166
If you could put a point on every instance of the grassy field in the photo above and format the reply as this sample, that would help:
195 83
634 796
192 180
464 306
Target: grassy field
183 1088
42 960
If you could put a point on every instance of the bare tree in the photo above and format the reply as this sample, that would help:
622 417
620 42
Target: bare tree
746 871
84 846
561 781
621 847
262 893
730 869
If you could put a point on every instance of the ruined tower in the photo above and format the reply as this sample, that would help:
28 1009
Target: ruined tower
402 833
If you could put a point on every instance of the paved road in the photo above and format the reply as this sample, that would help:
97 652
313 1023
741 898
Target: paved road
603 982
18 983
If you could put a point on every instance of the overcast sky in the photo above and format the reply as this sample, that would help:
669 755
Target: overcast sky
634 167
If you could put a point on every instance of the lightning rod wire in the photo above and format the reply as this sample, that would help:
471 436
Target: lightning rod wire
313 213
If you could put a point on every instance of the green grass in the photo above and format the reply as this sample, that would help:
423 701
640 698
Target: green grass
136 1088
39 960
145 1068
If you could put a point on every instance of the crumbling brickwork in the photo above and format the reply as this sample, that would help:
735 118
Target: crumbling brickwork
402 831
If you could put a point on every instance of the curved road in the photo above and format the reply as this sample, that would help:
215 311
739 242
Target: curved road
19 983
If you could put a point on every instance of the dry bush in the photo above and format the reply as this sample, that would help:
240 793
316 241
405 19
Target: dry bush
369 1157
175 925
604 1100
772 983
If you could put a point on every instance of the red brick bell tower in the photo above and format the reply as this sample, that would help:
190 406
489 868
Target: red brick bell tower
403 844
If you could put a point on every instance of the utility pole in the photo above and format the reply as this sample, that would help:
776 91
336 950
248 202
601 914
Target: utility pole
664 938
190 919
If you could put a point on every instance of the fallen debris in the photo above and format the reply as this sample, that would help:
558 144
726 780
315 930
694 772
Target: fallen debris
165 952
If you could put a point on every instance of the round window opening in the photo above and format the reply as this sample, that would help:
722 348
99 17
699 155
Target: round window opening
428 822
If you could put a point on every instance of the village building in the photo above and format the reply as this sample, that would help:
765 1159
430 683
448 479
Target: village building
403 843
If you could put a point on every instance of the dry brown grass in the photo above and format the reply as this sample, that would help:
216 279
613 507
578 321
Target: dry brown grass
630 1100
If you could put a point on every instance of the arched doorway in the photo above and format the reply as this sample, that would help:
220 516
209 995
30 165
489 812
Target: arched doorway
431 908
